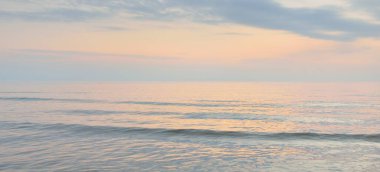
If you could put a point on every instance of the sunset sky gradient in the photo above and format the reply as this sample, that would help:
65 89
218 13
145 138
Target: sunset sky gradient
190 40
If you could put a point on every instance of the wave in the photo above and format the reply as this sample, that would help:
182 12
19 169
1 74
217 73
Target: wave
39 99
221 101
175 104
20 92
111 112
101 130
217 115
326 104
92 112
206 103
233 116
280 118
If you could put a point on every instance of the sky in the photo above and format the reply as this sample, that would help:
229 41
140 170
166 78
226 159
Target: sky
190 40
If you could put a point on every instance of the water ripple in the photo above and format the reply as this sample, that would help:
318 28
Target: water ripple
77 128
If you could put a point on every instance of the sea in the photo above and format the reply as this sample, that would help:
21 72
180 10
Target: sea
189 126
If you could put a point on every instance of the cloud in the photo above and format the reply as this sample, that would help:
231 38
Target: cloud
317 23
312 22
39 53
233 34
54 15
113 28
55 65
370 6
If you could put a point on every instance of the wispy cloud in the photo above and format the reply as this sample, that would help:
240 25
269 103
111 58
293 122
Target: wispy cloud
271 15
113 28
370 6
234 34
83 54
312 22
54 15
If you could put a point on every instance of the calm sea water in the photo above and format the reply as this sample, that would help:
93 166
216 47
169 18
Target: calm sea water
190 127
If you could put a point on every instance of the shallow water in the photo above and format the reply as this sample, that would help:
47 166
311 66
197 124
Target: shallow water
190 126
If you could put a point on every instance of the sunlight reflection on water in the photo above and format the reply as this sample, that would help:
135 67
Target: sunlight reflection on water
190 126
